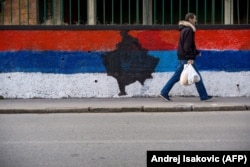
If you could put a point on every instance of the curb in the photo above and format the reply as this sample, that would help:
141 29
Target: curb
125 109
168 109
221 108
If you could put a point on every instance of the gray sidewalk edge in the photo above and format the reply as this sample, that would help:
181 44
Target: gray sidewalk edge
190 108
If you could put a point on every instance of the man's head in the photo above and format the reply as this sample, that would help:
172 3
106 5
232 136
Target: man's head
191 18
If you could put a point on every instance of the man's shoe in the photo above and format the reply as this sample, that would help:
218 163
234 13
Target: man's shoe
165 98
208 99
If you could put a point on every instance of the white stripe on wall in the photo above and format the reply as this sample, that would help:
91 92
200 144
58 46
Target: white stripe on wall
41 85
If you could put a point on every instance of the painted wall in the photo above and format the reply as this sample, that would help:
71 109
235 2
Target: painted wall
113 63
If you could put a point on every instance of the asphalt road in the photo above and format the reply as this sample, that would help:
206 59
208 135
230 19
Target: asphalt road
115 139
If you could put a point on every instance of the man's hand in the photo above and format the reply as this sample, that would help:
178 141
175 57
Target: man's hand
190 62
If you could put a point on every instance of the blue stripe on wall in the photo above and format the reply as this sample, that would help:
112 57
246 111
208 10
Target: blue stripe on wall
63 62
51 62
230 61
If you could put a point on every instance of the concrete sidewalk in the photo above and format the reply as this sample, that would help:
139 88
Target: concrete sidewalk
126 104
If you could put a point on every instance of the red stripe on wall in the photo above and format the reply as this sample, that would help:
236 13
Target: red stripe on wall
223 39
157 40
106 40
205 39
59 40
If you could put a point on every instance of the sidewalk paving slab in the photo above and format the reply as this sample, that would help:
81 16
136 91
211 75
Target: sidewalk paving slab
124 104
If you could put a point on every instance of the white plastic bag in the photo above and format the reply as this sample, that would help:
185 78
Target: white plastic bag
193 76
189 75
184 75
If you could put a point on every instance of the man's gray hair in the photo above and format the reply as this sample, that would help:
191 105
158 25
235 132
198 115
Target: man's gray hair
189 16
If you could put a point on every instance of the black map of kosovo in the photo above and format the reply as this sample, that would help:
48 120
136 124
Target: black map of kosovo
129 62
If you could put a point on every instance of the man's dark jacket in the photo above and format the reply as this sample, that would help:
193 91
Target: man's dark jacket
186 47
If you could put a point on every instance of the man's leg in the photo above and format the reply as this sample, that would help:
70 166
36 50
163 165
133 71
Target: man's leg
175 78
200 86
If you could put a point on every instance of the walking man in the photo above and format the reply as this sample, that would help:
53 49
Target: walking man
186 53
